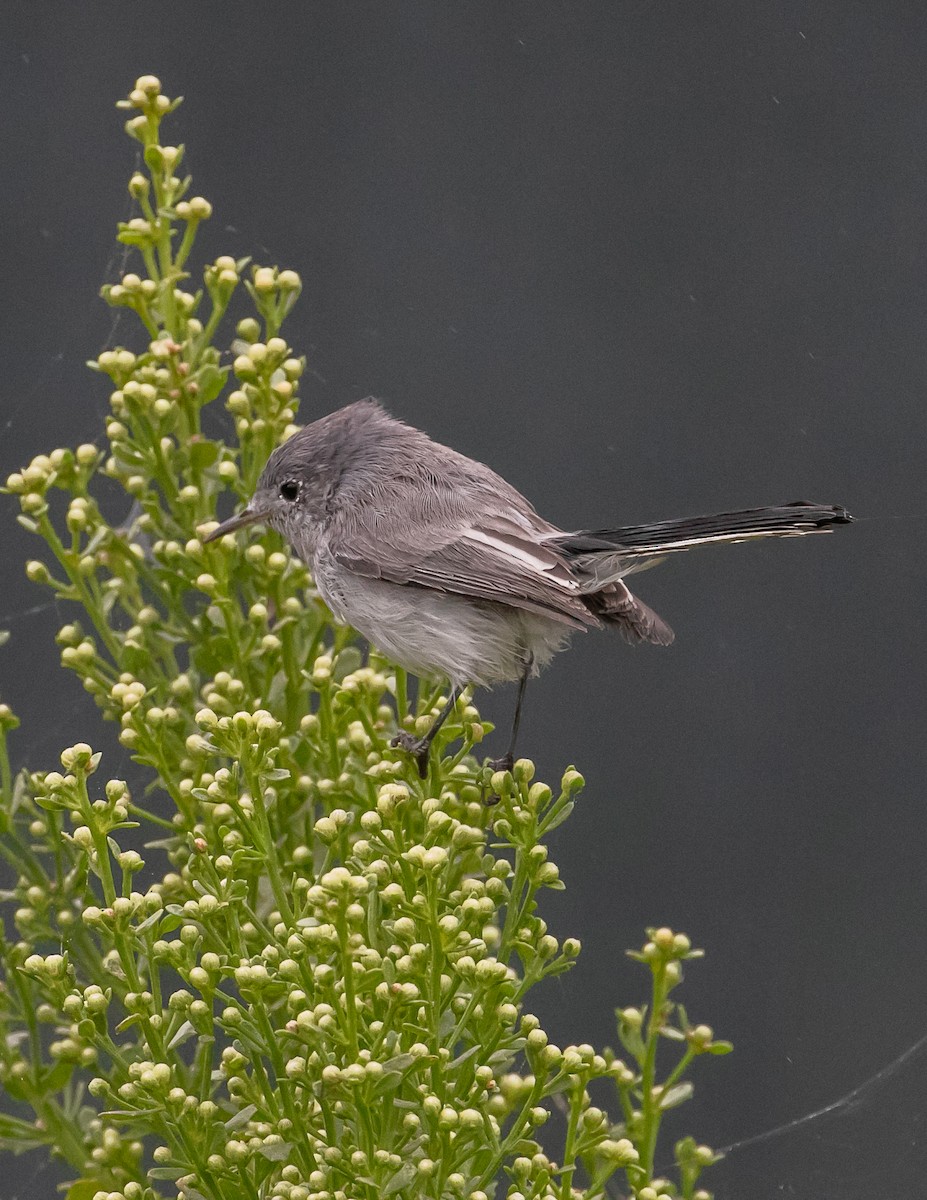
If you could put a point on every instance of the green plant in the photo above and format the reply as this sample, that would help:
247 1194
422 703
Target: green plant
319 989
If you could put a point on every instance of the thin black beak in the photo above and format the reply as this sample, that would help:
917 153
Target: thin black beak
248 516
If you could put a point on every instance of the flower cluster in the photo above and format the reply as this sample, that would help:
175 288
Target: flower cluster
281 965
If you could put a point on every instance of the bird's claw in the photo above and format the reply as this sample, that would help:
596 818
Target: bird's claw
505 763
417 747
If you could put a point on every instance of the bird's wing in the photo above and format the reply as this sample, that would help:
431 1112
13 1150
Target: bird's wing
431 541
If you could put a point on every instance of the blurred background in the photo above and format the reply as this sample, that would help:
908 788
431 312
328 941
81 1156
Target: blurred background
646 260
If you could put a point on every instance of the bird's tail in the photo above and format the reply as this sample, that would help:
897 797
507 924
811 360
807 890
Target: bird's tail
667 537
601 559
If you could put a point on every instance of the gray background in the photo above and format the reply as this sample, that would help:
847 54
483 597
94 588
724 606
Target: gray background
647 260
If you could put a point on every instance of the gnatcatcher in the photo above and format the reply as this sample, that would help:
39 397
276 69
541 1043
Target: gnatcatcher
448 570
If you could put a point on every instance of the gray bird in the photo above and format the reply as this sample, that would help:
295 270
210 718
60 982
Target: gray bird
448 570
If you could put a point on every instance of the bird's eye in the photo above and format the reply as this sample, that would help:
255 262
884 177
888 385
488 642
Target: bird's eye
289 489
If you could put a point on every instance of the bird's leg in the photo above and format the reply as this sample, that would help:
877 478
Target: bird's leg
418 747
507 761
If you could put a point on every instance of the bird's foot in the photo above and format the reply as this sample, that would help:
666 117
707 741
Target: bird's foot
505 763
417 747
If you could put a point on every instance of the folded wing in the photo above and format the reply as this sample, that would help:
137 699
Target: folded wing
492 560
471 533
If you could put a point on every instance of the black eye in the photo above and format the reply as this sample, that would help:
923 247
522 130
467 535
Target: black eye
289 489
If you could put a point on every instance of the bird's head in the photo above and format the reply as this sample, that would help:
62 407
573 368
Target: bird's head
295 492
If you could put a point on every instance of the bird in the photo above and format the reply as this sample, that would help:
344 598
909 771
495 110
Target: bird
448 570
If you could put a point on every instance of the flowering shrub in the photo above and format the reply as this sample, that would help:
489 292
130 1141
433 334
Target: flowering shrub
317 993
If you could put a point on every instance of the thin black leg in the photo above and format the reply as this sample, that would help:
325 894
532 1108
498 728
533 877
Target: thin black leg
508 759
418 747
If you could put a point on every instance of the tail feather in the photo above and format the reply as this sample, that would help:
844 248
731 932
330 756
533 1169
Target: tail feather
635 620
665 537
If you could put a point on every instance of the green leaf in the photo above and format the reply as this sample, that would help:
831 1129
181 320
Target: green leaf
83 1189
631 1040
185 1031
20 792
49 804
130 1114
58 1076
557 818
202 453
400 1063
462 1058
387 1083
168 843
501 1057
210 379
14 1088
348 661
149 922
677 1094
720 1047
277 1152
129 237
559 967
242 1117
18 1133
20 1145
404 1176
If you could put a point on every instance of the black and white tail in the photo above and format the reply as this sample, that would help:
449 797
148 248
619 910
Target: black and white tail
666 537
601 559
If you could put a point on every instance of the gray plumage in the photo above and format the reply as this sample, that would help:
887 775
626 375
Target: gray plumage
446 568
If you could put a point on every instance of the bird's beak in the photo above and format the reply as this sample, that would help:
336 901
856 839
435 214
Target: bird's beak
247 516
